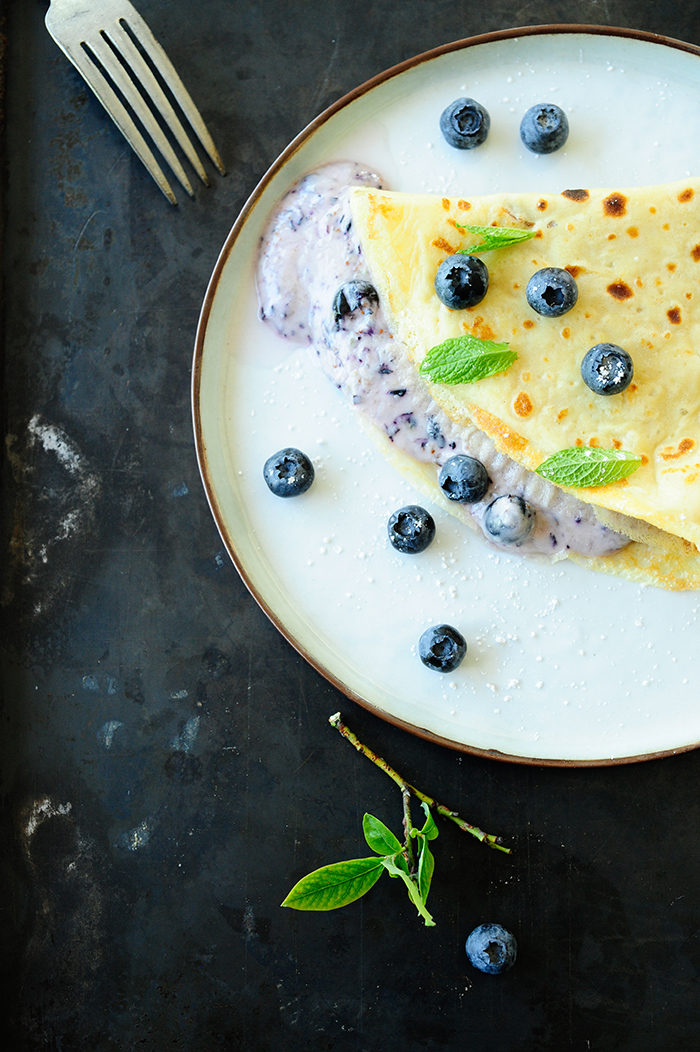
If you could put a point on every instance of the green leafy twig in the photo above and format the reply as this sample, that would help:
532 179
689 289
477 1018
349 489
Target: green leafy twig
341 883
486 838
491 237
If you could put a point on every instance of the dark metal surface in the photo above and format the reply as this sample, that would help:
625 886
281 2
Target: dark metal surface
167 767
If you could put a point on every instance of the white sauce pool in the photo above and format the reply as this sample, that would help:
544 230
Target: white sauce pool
308 251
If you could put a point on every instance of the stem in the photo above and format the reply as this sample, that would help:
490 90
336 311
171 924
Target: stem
407 827
407 789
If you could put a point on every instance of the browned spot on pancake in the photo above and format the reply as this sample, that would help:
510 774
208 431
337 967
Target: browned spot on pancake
526 380
689 479
574 270
639 283
569 226
481 329
510 440
566 332
674 315
443 245
611 237
645 459
576 195
516 284
522 405
671 267
446 203
695 253
632 387
579 442
686 195
562 414
620 290
593 442
615 205
652 210
689 295
542 204
684 446
665 226
617 444
464 205
527 324
538 233
632 231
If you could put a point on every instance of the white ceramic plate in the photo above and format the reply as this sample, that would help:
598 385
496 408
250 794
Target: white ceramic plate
564 665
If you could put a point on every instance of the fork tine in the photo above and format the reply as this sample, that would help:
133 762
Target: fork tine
121 78
169 74
104 92
125 45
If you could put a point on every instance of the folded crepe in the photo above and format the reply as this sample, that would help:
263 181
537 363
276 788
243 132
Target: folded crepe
635 256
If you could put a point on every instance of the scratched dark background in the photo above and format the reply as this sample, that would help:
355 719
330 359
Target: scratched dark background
167 767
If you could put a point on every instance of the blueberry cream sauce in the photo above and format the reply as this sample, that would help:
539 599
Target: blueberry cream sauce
308 252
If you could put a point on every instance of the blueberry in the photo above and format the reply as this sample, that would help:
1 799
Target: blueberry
544 128
491 948
464 479
509 519
607 369
411 529
288 473
352 296
461 281
465 124
442 648
551 292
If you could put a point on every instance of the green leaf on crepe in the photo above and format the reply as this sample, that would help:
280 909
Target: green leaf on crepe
583 466
336 885
465 360
379 837
494 237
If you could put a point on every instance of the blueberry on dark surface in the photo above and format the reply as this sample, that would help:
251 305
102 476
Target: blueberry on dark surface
411 529
463 479
461 281
544 128
509 520
607 369
552 292
288 473
442 648
465 124
491 949
353 296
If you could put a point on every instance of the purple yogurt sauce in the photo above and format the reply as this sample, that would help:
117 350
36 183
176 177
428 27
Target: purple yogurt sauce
307 252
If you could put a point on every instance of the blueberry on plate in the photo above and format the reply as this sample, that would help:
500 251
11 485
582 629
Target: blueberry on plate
464 479
552 292
288 473
411 529
544 128
509 520
491 949
607 369
442 648
465 124
353 296
461 281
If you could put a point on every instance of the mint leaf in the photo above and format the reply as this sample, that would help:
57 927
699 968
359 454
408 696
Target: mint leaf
494 237
426 865
466 359
583 466
379 837
336 885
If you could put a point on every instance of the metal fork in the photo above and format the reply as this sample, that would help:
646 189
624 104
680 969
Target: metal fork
103 38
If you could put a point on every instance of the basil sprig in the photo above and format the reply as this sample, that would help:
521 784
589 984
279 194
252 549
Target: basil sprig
583 466
466 359
494 237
